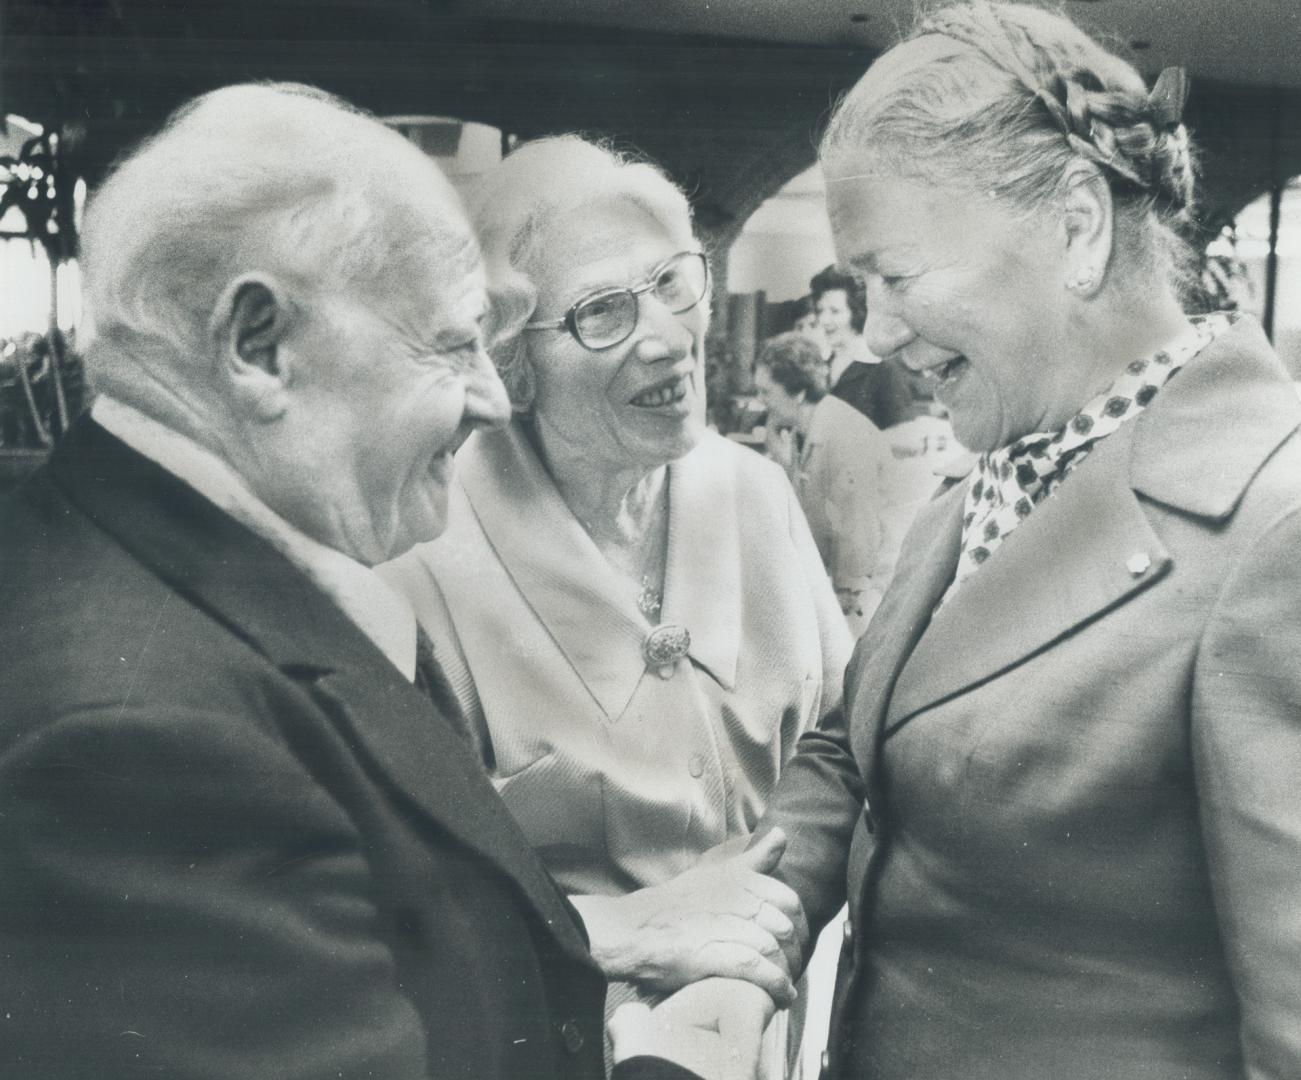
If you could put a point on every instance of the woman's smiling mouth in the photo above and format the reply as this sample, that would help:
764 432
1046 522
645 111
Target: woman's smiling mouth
660 395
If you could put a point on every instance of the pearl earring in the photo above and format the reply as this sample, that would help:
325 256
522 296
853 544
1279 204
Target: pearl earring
1083 278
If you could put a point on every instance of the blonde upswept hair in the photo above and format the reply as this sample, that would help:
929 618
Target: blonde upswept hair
1000 98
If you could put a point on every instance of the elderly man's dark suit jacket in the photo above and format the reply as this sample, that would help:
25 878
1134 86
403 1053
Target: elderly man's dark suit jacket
234 843
1067 807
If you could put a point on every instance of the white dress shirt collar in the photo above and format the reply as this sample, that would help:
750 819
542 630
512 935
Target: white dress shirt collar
357 590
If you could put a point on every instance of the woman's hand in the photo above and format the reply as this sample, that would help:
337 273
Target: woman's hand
720 918
714 1028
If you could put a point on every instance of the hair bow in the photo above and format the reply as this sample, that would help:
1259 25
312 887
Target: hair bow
1169 92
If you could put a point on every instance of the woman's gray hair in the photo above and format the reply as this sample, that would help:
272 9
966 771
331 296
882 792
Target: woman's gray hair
282 178
516 202
1001 98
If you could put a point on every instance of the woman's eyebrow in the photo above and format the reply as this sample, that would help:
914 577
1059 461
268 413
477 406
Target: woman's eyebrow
595 283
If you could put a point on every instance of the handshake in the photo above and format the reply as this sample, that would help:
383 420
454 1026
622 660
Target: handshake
723 941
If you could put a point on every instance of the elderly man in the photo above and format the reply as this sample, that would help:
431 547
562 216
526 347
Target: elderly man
237 838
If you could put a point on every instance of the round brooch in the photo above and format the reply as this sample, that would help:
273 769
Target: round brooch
666 645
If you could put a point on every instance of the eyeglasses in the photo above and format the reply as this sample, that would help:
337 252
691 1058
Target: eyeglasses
604 318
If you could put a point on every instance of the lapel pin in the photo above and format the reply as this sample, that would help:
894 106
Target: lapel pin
1138 564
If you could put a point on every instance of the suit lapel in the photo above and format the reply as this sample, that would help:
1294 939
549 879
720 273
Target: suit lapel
249 587
1085 549
437 771
1209 431
924 572
851 379
1091 547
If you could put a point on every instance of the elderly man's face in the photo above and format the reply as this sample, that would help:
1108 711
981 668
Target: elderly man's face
390 383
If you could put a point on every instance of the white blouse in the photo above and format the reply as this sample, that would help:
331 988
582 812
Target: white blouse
621 777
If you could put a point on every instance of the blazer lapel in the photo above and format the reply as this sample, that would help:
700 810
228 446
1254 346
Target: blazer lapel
1207 434
587 607
924 572
438 772
1083 550
1090 547
249 587
851 378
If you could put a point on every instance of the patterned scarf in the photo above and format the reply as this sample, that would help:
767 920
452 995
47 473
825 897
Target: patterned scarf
1008 484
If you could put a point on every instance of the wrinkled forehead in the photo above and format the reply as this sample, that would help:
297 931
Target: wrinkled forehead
428 250
430 228
873 212
611 240
439 291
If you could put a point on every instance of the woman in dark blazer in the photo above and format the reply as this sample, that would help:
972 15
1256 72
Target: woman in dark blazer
1064 804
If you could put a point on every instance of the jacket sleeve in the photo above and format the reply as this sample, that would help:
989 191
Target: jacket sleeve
1246 732
848 479
809 801
180 898
817 802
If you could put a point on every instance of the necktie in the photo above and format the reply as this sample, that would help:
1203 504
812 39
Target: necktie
431 682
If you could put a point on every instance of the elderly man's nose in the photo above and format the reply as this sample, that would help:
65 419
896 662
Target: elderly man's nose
486 404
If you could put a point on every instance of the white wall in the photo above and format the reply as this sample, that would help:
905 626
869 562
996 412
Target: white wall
785 242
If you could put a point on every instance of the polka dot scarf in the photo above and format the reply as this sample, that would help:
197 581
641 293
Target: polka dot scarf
1008 484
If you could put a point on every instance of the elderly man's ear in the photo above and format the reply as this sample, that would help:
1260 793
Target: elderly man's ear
252 319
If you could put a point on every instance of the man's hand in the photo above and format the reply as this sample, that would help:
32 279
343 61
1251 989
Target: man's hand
720 918
714 1028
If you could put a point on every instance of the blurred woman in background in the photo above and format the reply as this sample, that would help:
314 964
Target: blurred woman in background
806 322
841 471
877 389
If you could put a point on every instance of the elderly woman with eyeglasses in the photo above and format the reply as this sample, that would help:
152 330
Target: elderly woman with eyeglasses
630 609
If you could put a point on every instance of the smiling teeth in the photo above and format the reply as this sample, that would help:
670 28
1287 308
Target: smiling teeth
663 395
945 371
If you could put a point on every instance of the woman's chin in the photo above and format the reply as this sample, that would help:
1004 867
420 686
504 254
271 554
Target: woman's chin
669 448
